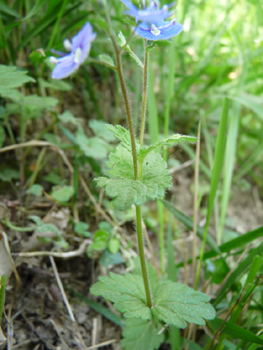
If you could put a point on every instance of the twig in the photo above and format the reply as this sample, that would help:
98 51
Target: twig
61 288
108 342
64 255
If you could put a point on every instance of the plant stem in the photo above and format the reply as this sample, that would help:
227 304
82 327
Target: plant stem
144 96
142 256
128 108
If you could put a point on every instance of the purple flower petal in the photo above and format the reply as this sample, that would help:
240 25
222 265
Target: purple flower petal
65 67
149 14
80 49
159 32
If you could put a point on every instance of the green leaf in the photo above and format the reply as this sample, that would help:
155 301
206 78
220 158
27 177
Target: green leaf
107 259
154 181
82 228
123 135
106 59
55 84
63 194
168 142
42 227
175 303
8 174
35 189
236 332
126 292
68 117
99 128
12 78
141 335
93 147
114 245
100 240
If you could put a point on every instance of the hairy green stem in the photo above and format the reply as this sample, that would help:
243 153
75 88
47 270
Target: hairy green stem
144 96
127 105
142 256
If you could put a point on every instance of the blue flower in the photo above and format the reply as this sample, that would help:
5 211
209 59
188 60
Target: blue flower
151 24
79 51
161 30
151 13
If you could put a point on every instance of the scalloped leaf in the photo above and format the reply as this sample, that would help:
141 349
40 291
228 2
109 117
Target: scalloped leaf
123 135
141 335
11 78
126 292
175 303
168 142
155 179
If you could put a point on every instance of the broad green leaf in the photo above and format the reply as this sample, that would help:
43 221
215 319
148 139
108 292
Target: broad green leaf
35 189
93 147
235 331
173 303
176 304
42 227
168 142
123 135
99 128
63 194
68 117
10 78
81 228
108 259
154 181
141 335
106 59
100 240
126 292
114 245
8 174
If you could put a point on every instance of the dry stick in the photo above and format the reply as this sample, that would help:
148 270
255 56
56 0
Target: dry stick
36 143
65 255
105 343
61 288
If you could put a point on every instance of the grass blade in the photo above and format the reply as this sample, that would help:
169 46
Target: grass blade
216 172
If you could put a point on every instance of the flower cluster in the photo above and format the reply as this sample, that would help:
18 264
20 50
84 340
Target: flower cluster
151 21
79 51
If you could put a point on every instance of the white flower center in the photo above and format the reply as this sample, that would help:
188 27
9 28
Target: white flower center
67 44
77 55
53 59
155 30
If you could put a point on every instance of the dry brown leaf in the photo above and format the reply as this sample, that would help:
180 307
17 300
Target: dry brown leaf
2 338
7 265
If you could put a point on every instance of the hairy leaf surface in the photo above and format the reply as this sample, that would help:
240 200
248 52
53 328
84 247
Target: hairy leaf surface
154 181
175 303
126 292
141 335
